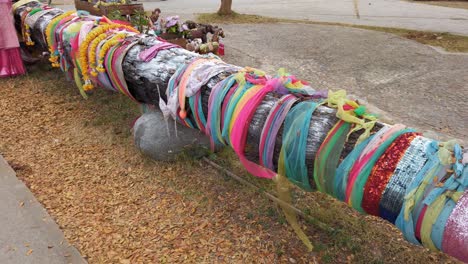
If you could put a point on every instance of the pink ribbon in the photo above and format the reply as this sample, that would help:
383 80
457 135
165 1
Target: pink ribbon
148 54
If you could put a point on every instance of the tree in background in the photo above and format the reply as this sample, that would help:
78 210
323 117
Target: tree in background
225 8
356 8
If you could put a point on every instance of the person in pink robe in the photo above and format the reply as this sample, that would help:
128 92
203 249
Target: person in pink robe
11 63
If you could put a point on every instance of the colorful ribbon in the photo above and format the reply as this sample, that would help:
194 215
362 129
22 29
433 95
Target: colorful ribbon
293 152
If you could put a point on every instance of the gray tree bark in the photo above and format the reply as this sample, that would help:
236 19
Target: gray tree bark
145 78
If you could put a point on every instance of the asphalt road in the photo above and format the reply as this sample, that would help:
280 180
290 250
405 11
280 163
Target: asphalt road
405 81
388 13
385 13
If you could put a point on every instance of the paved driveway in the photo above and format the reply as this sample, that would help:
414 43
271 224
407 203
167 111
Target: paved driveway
411 83
389 13
386 13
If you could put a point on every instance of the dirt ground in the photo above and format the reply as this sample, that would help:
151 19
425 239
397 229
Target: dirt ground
115 206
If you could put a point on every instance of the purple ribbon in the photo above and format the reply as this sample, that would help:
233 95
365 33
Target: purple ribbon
149 54
271 128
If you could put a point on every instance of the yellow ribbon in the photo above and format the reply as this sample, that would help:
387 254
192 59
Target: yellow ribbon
283 188
338 100
445 155
240 76
445 158
21 3
78 83
415 195
431 215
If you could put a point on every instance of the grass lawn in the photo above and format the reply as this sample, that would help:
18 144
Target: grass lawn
454 4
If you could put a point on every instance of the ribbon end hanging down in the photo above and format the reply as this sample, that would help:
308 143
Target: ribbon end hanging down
165 111
78 83
284 194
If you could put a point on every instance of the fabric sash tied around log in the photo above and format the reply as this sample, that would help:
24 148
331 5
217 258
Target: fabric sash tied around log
215 103
150 53
455 238
391 200
274 122
117 71
328 156
293 152
103 78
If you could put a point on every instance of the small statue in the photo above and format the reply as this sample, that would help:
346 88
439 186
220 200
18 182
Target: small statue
200 32
210 47
218 33
190 24
194 45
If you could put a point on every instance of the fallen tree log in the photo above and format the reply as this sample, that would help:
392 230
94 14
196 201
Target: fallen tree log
415 182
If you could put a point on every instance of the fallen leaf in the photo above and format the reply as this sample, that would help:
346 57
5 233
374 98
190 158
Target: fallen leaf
29 252
125 261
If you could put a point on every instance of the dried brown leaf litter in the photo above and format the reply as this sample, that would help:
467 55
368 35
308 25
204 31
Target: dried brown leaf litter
115 206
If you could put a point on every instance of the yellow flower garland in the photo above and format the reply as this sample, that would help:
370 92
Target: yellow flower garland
110 43
92 53
27 35
53 23
101 3
25 29
83 51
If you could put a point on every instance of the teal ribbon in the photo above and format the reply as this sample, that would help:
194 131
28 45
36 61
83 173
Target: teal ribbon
342 173
407 226
296 131
215 112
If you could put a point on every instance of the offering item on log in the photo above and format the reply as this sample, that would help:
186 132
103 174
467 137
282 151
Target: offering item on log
279 126
107 7
189 35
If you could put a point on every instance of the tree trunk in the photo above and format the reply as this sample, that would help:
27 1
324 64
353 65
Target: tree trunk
145 78
356 8
225 8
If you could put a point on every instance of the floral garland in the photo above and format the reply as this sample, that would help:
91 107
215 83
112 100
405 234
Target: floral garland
112 42
92 53
50 38
83 56
27 35
101 3
25 29
28 21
